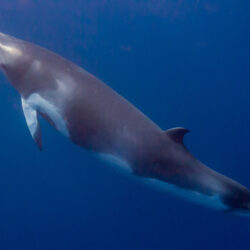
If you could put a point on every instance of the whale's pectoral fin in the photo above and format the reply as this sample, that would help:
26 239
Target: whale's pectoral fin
177 134
32 121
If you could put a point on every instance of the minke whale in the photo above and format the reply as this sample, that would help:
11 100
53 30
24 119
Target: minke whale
95 117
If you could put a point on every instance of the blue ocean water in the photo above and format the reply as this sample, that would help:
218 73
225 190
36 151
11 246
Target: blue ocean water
183 63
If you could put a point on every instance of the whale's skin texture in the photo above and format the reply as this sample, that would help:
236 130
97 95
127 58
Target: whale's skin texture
95 117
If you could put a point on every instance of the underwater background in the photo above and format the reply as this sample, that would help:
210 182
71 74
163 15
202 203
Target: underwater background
183 63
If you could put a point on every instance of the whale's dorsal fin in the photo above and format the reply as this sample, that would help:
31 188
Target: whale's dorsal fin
177 134
32 122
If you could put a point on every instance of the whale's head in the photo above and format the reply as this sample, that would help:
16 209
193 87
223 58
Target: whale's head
10 51
15 59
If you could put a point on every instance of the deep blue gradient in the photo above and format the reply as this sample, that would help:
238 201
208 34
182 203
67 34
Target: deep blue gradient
182 62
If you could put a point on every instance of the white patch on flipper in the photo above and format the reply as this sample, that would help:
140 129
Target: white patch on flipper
39 103
31 117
